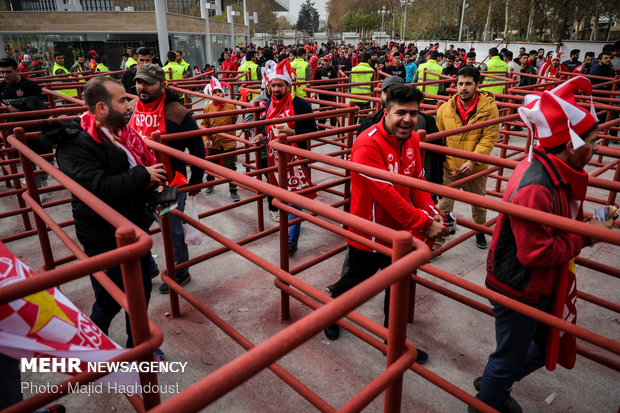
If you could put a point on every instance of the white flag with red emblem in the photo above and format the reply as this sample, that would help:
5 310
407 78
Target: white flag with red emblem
47 324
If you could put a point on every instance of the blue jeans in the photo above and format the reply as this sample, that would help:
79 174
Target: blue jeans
293 231
105 306
520 350
179 247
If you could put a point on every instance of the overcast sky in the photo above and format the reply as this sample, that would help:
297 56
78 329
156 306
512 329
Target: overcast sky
296 6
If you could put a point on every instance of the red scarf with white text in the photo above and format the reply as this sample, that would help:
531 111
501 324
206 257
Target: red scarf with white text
149 117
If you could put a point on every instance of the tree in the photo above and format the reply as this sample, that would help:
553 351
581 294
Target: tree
266 16
282 23
308 19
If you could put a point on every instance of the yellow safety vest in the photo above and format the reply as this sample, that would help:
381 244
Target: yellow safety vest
431 66
66 92
101 68
184 65
130 62
300 66
253 68
176 72
362 78
495 64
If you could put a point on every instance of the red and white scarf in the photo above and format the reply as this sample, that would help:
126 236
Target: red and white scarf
561 346
149 117
298 177
125 138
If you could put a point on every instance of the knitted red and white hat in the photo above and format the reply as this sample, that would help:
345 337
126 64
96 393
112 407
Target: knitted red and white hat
283 72
268 70
215 84
554 116
557 56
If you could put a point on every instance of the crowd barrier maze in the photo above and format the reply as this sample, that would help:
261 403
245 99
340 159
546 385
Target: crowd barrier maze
401 275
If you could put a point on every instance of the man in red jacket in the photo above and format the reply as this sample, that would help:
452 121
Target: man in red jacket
533 263
390 145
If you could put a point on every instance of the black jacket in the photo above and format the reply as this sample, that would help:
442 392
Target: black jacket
103 169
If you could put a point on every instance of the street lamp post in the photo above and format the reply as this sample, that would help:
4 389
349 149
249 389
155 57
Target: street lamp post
231 19
382 13
403 33
462 18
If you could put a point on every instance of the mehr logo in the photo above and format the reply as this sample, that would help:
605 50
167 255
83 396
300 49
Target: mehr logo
51 365
71 365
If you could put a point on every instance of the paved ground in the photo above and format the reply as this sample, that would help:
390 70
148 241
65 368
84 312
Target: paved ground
457 337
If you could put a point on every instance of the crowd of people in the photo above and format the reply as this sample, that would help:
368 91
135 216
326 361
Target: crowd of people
104 151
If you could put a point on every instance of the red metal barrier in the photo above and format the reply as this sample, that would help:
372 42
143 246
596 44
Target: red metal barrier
400 353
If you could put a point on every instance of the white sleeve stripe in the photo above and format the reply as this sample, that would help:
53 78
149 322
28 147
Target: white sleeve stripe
376 179
432 207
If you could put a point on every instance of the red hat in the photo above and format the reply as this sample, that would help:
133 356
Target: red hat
558 56
581 120
268 70
554 117
326 57
283 71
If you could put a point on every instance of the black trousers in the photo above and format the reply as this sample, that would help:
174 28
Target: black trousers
358 266
105 306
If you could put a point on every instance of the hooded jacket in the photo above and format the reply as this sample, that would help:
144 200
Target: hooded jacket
480 140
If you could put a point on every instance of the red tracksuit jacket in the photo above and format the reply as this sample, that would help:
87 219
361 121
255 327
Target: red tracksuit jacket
393 205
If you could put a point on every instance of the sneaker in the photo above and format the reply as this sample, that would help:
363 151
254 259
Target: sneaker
507 403
330 290
292 249
422 357
209 190
234 196
481 241
182 280
159 355
154 272
332 332
274 216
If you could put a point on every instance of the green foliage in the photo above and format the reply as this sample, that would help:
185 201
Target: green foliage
358 20
308 19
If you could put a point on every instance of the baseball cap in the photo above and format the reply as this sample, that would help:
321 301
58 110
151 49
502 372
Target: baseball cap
390 81
150 73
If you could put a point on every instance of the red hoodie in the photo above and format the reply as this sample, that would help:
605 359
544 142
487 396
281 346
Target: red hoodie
393 205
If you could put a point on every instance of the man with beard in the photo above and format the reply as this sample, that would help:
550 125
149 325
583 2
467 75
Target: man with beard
390 145
282 105
586 65
108 158
573 62
143 54
158 109
466 107
604 69
79 65
551 69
